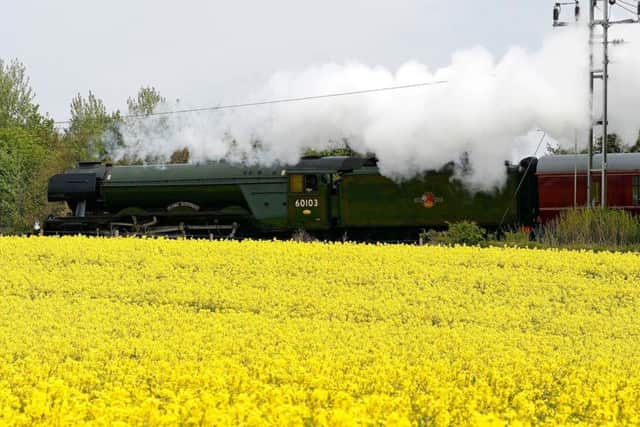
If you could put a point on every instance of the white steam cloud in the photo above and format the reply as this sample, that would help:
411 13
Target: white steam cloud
488 112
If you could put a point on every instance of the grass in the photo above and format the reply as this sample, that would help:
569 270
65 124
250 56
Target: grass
591 229
609 228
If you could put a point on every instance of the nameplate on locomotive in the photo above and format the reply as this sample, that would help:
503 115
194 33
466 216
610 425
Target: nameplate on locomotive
177 205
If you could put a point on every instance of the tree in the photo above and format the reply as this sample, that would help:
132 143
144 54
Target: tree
335 148
147 99
93 132
614 145
12 181
28 147
17 106
180 156
144 104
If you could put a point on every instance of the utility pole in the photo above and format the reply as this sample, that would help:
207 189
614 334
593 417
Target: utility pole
592 17
605 98
594 75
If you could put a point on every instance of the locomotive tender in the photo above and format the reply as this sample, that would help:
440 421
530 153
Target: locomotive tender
326 196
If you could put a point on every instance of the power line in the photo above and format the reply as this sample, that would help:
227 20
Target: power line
277 101
625 8
627 4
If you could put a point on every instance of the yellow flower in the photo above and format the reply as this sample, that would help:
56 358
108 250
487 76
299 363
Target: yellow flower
162 332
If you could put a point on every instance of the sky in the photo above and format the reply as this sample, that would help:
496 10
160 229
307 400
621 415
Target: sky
211 52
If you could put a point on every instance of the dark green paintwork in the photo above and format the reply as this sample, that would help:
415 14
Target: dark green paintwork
309 210
349 196
220 187
212 171
368 199
266 200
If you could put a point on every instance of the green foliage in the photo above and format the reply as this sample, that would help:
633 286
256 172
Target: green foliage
147 99
343 151
93 132
17 107
459 233
88 115
466 233
144 104
180 156
586 227
22 157
11 188
517 238
335 148
614 145
29 147
25 162
31 150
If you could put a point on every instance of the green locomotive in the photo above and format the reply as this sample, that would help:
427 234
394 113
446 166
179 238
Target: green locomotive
326 196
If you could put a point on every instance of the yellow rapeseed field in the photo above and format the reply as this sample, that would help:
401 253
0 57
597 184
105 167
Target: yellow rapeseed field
159 332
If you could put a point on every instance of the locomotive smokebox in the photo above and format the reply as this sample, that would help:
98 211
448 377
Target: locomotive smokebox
80 183
76 186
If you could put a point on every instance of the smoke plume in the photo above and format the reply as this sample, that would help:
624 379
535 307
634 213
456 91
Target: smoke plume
489 111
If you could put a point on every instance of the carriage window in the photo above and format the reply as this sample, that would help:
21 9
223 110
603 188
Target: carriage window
295 183
636 190
310 183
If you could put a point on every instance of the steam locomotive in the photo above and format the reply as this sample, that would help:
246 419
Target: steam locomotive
325 196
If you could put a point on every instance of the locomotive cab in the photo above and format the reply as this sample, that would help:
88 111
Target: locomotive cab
313 191
308 201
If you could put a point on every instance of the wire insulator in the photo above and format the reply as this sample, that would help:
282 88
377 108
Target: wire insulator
638 8
556 13
612 2
577 11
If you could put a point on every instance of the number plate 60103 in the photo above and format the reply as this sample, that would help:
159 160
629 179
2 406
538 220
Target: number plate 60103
306 203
